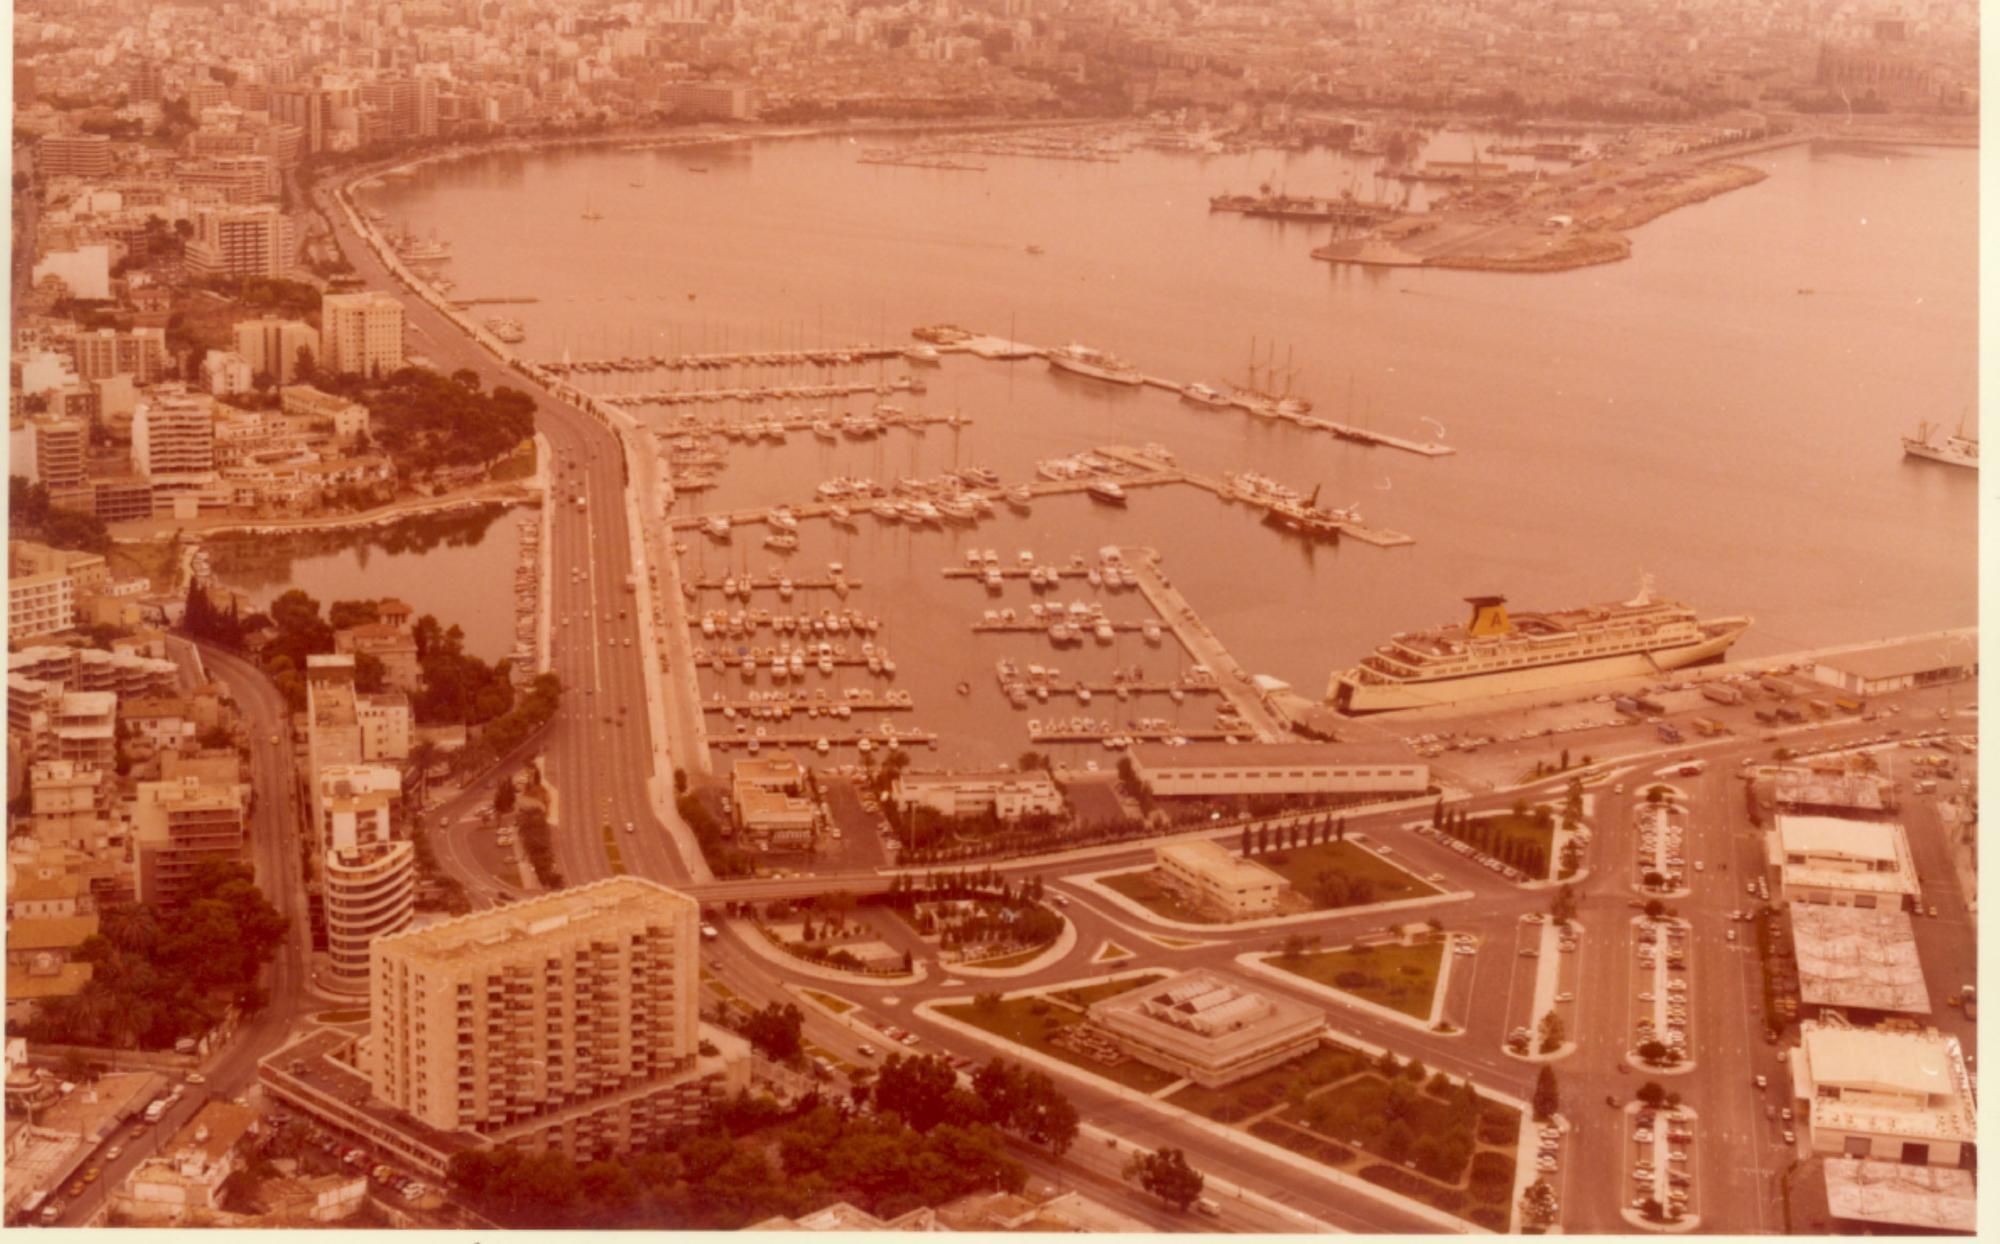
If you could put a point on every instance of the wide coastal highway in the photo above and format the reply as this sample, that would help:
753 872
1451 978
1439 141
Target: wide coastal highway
599 752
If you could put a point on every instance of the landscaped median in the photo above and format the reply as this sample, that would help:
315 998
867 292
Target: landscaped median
1437 1147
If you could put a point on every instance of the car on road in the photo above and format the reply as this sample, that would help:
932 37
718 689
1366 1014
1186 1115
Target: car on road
1790 1138
90 1176
274 740
709 932
865 1050
75 1189
628 827
195 1077
908 1038
1930 911
111 1154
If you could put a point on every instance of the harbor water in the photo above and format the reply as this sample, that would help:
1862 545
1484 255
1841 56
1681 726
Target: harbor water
1720 411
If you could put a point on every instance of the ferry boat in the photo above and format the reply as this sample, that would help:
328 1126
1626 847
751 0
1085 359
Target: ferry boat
1493 653
1084 361
1957 450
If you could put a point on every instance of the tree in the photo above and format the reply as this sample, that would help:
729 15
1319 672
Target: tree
1562 909
1167 1175
1552 1032
1651 1094
1340 830
503 796
917 1089
1546 1100
774 1031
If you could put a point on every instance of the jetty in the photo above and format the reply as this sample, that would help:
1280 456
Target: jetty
506 300
1380 537
761 393
840 585
785 708
1232 680
831 356
951 339
923 738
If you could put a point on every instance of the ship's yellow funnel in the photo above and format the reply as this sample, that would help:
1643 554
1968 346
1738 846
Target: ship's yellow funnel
1489 616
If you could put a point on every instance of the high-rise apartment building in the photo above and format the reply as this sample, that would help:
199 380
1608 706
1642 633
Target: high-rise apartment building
272 346
177 825
73 155
173 433
241 241
140 353
60 450
361 333
370 880
565 1021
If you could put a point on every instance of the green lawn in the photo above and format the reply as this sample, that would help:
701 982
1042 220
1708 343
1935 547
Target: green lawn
1333 1104
1017 1020
1112 950
1234 1102
1085 995
1302 866
519 465
1403 978
1145 889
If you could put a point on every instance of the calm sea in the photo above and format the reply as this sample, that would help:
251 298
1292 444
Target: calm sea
1720 411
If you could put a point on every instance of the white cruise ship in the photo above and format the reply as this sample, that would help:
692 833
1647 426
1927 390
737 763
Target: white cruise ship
1494 654
1084 361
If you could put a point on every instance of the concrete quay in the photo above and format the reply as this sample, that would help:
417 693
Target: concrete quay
1232 680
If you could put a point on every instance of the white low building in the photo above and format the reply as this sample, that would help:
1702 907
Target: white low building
1893 1096
1207 769
1240 887
1824 859
1208 1028
1007 793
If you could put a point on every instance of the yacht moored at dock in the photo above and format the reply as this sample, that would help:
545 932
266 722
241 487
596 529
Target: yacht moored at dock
1084 361
1494 654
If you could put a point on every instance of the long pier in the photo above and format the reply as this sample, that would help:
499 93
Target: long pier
834 356
760 393
1137 735
745 584
497 301
801 705
948 339
1381 537
1232 680
922 738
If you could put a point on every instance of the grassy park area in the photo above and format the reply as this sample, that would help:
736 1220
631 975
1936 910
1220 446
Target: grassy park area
1403 978
1032 1020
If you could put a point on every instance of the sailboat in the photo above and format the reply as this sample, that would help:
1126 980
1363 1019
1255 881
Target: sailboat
1958 449
1266 398
589 212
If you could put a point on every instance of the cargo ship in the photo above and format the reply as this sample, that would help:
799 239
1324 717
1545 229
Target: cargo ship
1495 654
1084 361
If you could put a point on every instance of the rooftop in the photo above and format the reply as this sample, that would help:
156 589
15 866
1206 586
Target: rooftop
214 1130
580 909
1827 835
1918 656
1851 956
1248 755
1938 1198
1860 1060
1219 863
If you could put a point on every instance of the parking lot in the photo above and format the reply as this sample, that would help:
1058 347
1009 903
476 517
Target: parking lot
1660 1003
1662 1144
1659 861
